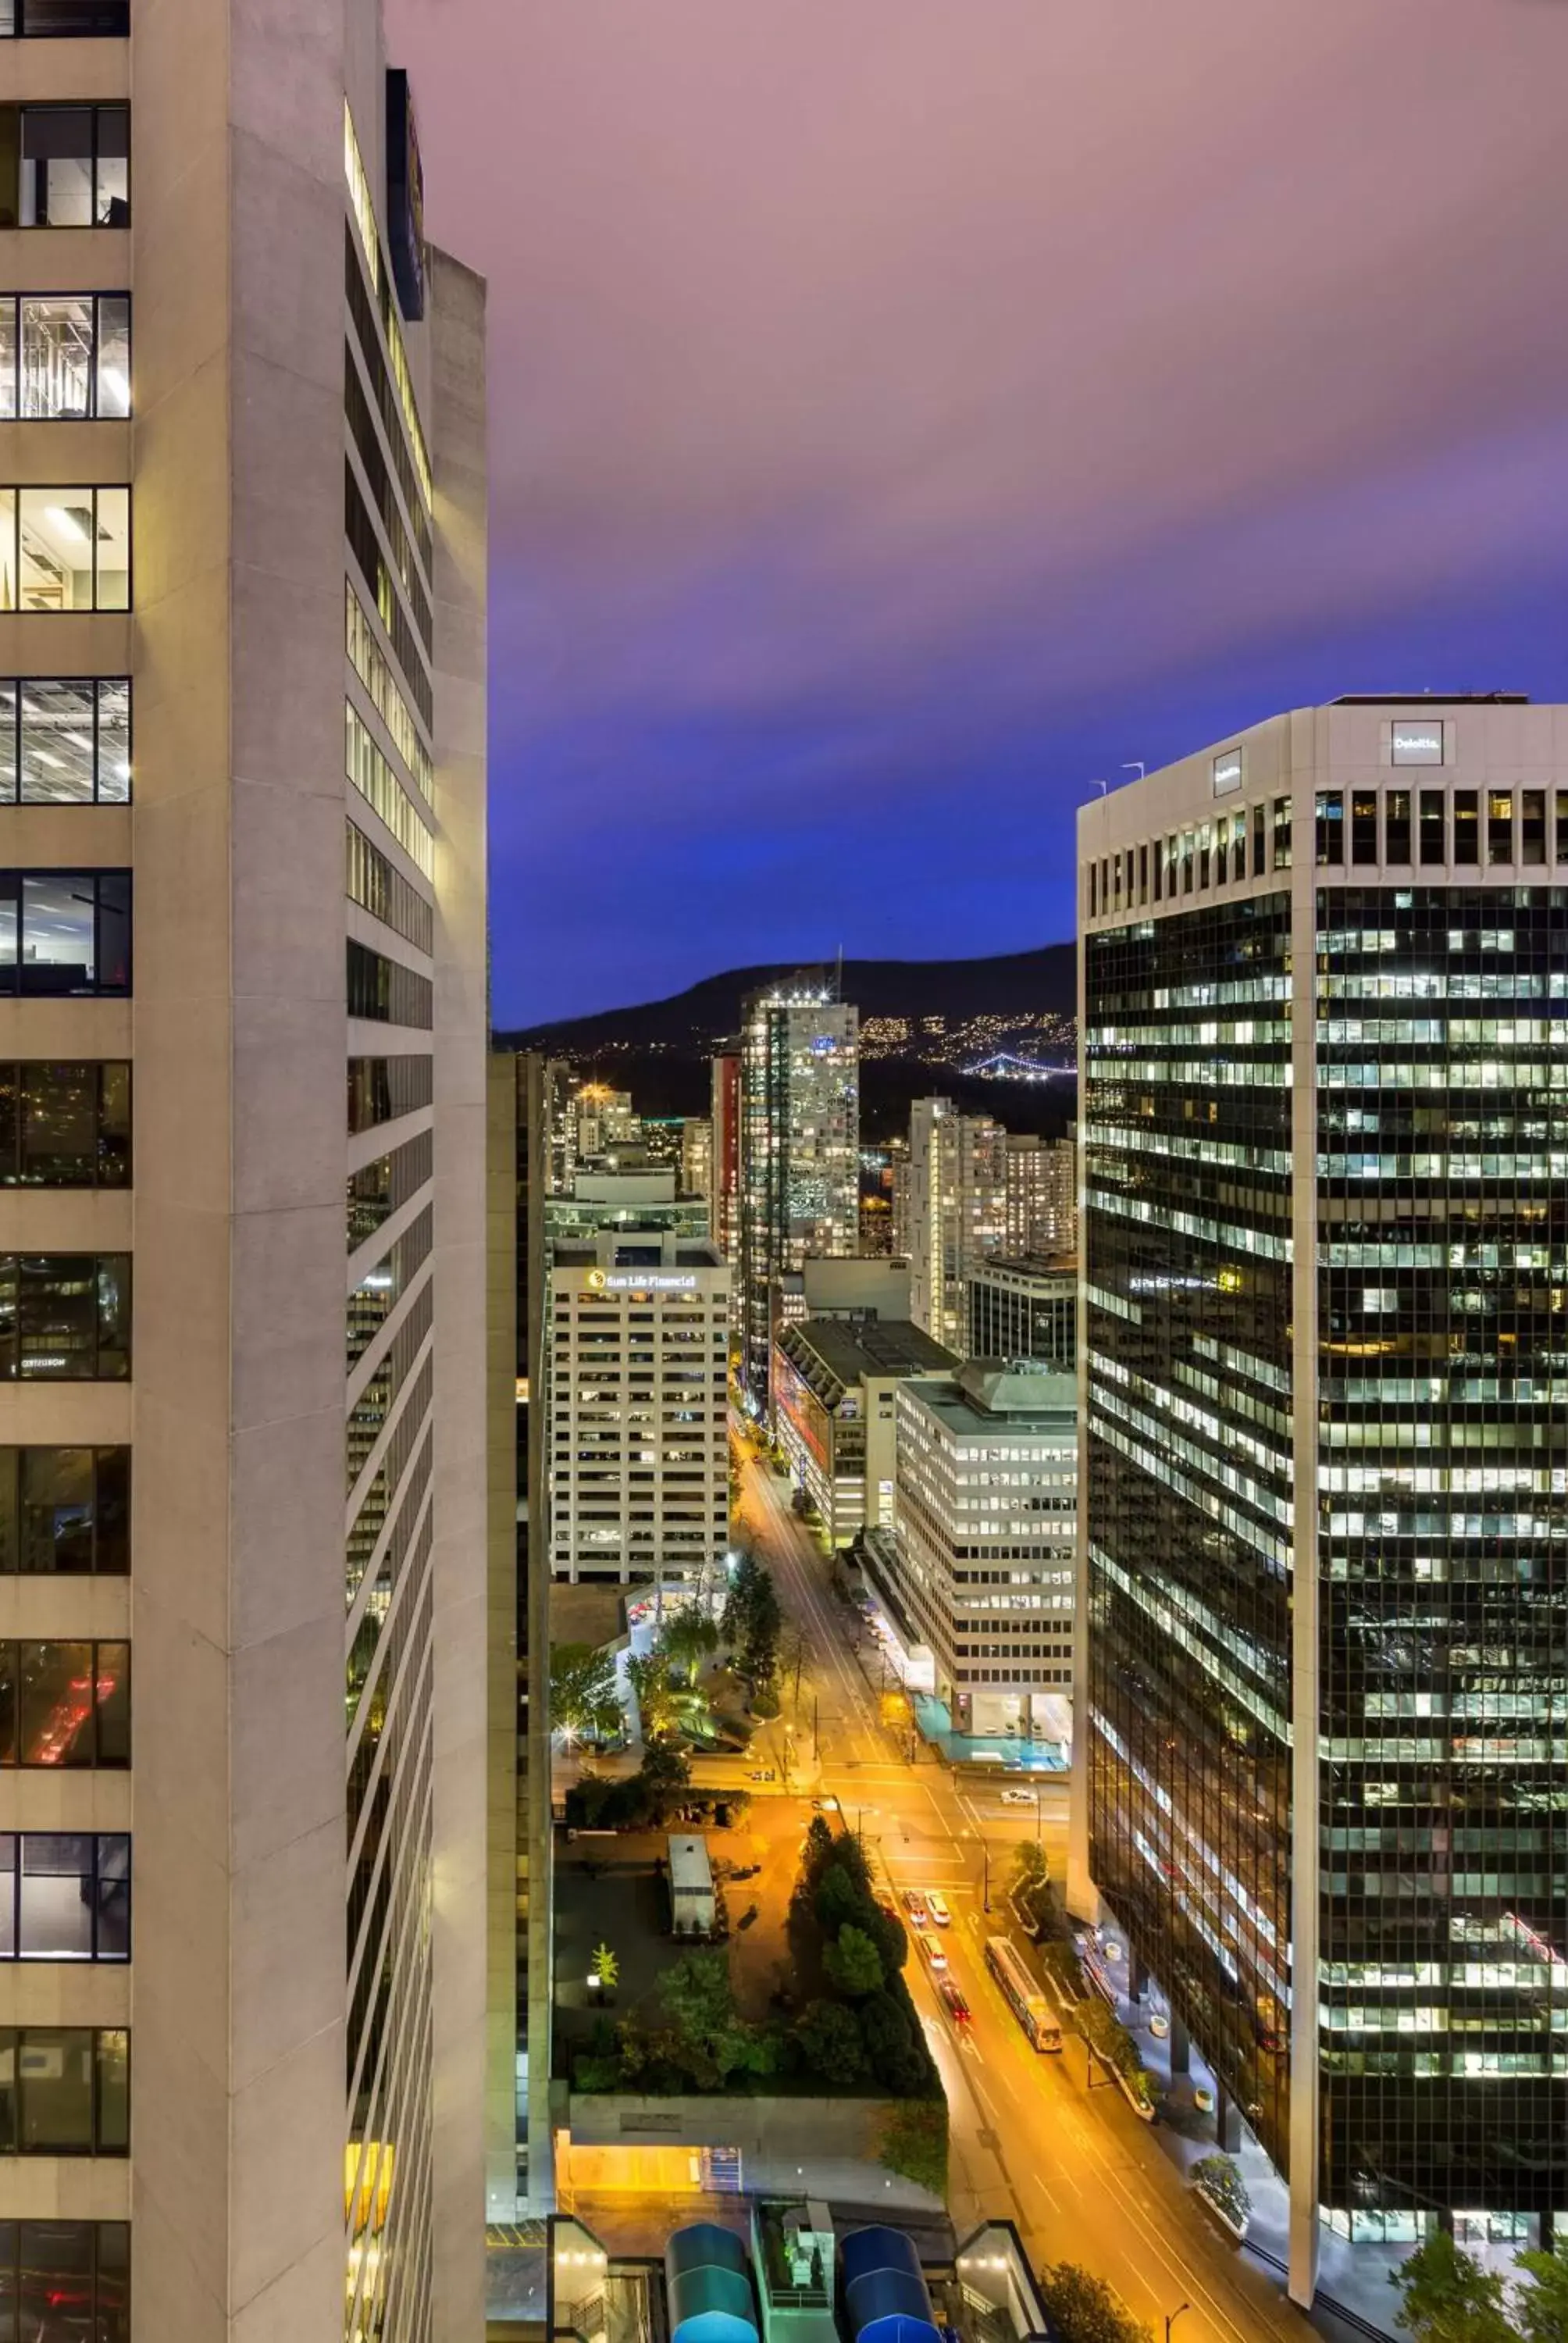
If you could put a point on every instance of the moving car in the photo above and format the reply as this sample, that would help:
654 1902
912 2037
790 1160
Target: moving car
915 1906
958 2007
936 1906
935 1957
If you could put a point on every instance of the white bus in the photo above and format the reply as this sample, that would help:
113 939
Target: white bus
1024 1998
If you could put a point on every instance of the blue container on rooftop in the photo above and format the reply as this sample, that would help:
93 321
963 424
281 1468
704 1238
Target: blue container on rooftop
885 2291
707 2283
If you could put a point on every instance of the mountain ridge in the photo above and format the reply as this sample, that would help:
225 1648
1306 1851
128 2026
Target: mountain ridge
1021 987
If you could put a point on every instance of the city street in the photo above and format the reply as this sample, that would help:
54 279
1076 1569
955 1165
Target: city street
1076 2172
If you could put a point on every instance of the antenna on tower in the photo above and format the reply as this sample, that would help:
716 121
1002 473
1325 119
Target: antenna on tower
838 975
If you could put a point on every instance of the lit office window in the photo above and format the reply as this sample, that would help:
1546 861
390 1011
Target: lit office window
65 1317
64 548
64 741
65 932
64 356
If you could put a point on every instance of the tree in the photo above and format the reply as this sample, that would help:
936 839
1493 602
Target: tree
830 2039
915 2142
1084 2309
585 1703
605 1967
1541 2308
655 1702
712 2041
853 1963
1447 2295
839 1898
898 2059
686 1639
794 1652
660 1781
752 1620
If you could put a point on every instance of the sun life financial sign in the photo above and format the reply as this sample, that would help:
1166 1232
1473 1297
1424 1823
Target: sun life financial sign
641 1281
1227 772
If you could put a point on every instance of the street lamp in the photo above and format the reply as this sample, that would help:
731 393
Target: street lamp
1172 2315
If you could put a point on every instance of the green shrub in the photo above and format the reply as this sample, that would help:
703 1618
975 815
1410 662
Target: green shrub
829 2035
914 2142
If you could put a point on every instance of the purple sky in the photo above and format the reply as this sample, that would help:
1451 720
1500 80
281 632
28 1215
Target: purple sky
904 411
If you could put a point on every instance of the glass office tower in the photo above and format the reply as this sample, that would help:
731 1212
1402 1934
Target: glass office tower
1324 1559
800 1151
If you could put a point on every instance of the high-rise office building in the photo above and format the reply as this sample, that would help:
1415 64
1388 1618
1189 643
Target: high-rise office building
983 1547
800 1151
638 1330
834 1381
1324 1569
1024 1309
957 1210
243 432
1041 1203
696 1157
724 1192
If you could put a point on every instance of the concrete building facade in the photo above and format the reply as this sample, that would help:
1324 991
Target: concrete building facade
243 1395
1323 1581
985 1536
834 1381
639 1408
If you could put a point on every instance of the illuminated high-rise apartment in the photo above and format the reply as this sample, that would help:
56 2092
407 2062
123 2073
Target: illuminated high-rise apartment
242 741
800 1134
957 1210
1323 1587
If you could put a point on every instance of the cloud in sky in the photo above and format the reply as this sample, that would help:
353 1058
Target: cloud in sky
903 412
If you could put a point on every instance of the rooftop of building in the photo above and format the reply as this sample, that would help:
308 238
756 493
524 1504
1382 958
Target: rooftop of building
1049 1269
625 1251
835 1355
1017 1394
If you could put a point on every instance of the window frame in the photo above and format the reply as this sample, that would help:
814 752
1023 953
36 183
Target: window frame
17 490
20 30
94 106
98 990
13 1650
15 300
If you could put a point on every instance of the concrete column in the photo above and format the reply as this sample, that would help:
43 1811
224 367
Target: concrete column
1137 1974
1180 2048
1227 2120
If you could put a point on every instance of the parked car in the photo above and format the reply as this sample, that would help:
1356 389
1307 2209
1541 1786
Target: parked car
936 1906
935 1956
958 2007
915 1906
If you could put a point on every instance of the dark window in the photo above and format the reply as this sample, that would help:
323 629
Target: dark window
1143 874
379 1290
1466 826
380 1089
64 356
65 1126
1561 826
1433 827
380 887
60 20
66 1705
65 932
64 741
1500 825
65 1317
1533 825
1330 825
378 1190
64 1512
385 395
1396 825
1094 892
384 991
64 2090
1364 826
64 166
